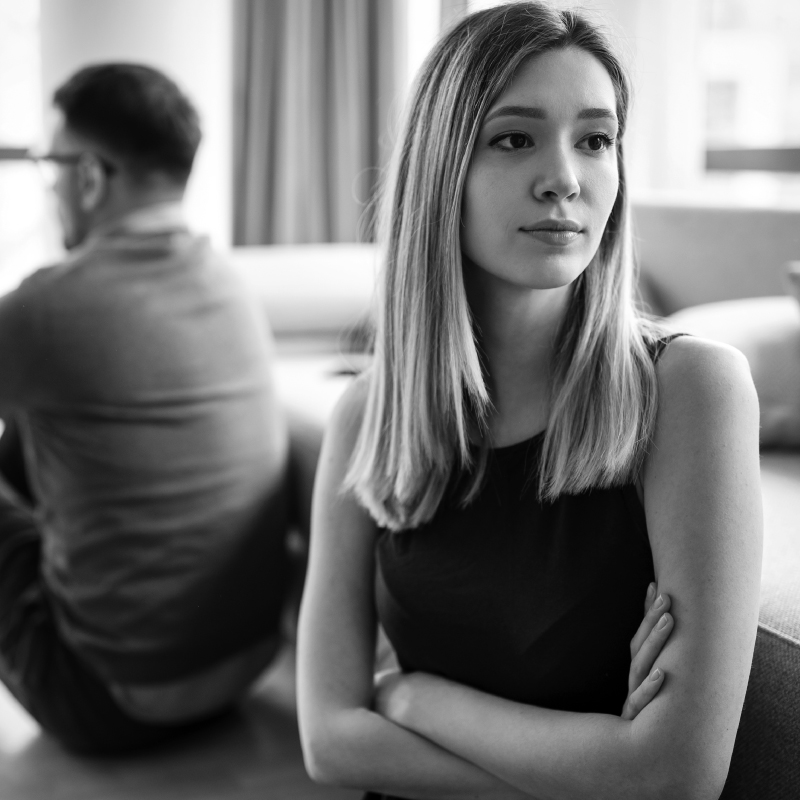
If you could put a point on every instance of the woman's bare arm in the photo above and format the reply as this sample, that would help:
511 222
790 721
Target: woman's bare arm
702 501
344 741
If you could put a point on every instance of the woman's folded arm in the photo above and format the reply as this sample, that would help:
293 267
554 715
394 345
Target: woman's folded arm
360 749
702 502
344 741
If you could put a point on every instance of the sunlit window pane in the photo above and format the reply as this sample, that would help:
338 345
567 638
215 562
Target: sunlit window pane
27 234
751 71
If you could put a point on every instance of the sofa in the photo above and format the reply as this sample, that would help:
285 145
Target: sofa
712 271
725 273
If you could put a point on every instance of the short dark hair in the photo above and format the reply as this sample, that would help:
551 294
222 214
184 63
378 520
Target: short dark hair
137 113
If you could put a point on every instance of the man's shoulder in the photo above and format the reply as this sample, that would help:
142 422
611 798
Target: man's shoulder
114 263
47 283
57 271
139 274
33 285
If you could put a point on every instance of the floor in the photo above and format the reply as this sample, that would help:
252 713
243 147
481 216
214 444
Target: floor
253 754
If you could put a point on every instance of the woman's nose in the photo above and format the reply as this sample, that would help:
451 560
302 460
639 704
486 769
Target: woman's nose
555 179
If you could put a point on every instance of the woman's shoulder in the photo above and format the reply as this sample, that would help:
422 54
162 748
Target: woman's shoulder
348 413
700 378
694 363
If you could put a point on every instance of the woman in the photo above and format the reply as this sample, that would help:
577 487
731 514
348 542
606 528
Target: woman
523 458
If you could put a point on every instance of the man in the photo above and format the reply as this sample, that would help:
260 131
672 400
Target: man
141 580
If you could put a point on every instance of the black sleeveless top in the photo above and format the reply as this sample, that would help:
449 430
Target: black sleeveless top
533 602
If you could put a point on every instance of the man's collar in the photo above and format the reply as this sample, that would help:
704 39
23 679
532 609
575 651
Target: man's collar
156 218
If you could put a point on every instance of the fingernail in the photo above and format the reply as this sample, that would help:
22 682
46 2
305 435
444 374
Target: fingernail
655 674
662 623
659 601
650 589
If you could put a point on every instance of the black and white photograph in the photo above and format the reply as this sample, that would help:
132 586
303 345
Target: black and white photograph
399 399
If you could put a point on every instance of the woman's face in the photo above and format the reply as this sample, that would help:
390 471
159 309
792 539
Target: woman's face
543 176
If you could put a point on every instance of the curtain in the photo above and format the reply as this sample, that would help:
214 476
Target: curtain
315 88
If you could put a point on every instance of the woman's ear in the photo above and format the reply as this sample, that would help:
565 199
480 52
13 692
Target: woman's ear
92 182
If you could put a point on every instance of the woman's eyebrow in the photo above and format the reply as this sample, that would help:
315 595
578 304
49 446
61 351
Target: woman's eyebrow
531 112
597 113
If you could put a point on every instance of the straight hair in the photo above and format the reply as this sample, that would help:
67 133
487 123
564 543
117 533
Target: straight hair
428 400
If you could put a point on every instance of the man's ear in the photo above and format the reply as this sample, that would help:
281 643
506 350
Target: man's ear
92 182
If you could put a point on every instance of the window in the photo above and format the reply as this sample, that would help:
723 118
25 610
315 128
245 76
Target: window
716 93
28 237
750 68
722 99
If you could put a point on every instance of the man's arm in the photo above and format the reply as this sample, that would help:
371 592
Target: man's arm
18 346
12 463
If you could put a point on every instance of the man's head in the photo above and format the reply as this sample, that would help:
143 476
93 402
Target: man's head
126 137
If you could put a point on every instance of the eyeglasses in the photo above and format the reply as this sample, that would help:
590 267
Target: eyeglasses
48 163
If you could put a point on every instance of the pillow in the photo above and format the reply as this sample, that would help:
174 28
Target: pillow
793 273
767 331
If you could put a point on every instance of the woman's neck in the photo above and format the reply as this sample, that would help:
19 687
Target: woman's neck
517 330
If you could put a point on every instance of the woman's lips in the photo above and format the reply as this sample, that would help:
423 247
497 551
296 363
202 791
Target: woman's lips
559 237
558 232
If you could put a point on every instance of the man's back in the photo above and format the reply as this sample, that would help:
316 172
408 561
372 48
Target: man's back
143 589
156 452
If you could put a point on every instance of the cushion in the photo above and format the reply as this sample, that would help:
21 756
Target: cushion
764 764
767 331
310 289
793 273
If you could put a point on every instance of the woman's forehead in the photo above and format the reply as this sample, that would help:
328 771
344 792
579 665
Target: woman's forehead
567 80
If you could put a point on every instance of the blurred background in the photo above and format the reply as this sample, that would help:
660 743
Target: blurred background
300 101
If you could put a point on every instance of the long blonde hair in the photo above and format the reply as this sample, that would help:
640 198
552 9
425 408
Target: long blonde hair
428 396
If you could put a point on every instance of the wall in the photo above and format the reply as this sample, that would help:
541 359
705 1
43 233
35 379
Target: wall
190 40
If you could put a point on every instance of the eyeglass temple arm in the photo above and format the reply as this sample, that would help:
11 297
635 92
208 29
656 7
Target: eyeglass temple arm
15 154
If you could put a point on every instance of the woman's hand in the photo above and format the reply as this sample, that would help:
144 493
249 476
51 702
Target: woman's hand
392 687
644 681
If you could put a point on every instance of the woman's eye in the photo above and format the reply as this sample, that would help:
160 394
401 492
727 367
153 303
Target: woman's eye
512 141
598 142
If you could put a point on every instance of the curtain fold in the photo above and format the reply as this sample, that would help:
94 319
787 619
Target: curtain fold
315 82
